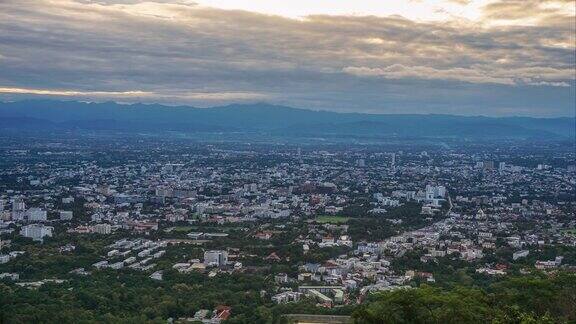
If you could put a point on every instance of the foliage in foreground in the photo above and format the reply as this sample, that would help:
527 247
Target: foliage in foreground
111 297
533 299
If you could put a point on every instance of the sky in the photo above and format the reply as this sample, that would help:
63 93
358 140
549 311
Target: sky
465 57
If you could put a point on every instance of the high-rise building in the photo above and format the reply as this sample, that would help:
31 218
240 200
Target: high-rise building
488 165
37 232
102 228
216 258
18 205
435 192
18 209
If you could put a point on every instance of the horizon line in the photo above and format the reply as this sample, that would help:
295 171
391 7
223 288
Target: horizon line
263 103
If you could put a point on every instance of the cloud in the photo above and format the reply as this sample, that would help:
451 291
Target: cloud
184 53
399 71
528 11
530 76
73 93
139 95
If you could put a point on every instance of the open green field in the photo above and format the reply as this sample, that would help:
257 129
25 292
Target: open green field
571 231
181 229
324 219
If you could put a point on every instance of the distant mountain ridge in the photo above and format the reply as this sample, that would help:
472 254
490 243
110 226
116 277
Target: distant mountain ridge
272 119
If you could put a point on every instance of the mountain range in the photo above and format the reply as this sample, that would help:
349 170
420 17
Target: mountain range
54 115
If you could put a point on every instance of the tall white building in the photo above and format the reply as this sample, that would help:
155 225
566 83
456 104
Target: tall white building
435 192
37 232
18 209
18 205
102 229
216 258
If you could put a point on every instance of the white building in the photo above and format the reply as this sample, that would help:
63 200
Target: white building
18 209
286 297
215 258
67 200
157 275
37 215
4 258
18 205
102 229
37 232
520 254
435 192
66 215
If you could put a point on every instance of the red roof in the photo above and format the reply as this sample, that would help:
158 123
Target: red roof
273 256
223 312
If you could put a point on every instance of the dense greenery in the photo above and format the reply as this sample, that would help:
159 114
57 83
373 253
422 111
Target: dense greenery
131 297
530 299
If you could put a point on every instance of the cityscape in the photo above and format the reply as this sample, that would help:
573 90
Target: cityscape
288 162
326 226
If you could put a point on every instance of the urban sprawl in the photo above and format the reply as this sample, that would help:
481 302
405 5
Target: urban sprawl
330 224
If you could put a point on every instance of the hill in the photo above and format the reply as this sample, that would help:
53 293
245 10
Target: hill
262 118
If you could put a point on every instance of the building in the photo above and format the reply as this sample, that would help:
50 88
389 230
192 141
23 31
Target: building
520 254
286 297
158 275
67 200
102 229
4 258
221 313
18 205
163 192
488 165
433 192
18 209
281 278
66 215
37 232
37 215
216 258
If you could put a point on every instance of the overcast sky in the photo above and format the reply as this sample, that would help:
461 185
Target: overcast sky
466 57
